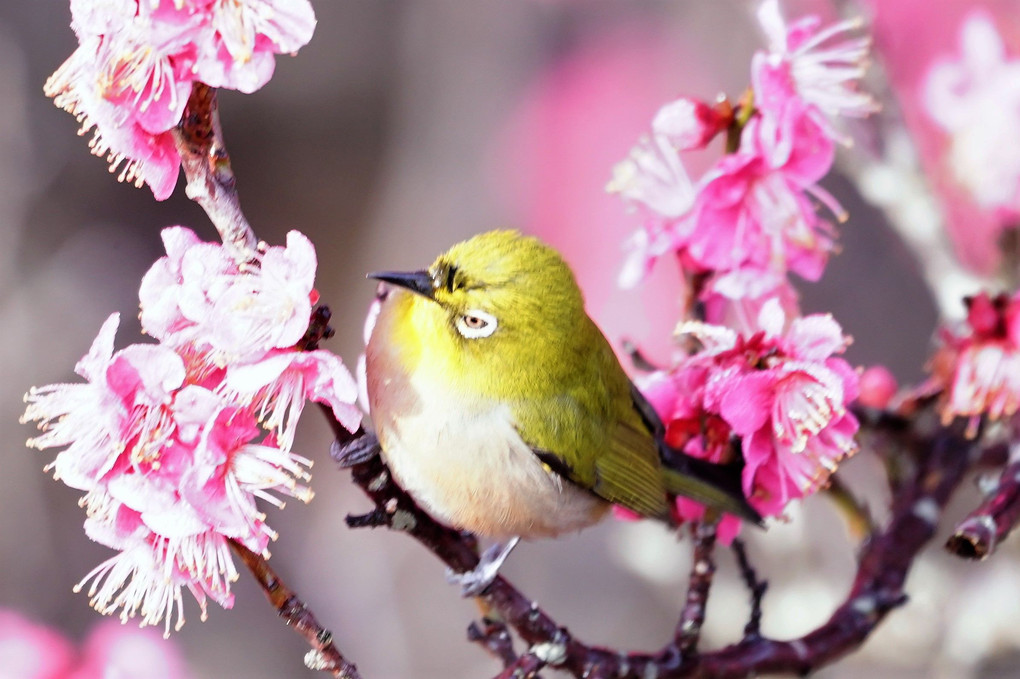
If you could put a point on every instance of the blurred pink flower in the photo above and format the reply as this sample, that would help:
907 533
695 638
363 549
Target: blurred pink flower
130 78
979 365
116 651
32 651
878 387
975 98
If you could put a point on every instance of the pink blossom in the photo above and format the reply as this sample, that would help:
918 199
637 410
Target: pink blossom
140 156
979 364
779 390
735 298
822 64
277 386
197 295
750 215
129 80
245 37
975 99
121 408
171 453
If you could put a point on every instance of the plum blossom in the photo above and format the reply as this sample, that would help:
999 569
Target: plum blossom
198 295
129 80
975 99
754 211
979 364
779 390
823 65
174 442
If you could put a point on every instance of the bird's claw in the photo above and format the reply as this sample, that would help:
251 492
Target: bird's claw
355 451
474 582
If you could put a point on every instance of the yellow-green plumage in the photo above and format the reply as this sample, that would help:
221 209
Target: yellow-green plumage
528 430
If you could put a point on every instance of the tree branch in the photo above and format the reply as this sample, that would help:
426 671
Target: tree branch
939 462
324 655
211 181
977 536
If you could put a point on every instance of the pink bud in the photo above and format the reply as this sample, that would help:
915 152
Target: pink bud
689 124
982 314
877 387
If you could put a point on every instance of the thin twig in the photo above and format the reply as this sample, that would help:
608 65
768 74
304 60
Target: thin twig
525 667
692 616
324 656
211 181
494 637
755 586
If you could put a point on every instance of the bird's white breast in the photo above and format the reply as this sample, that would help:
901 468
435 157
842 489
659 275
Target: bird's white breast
463 460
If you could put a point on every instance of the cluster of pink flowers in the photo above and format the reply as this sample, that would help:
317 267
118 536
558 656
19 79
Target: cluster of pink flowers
173 442
29 650
130 78
763 383
780 390
978 365
750 219
975 99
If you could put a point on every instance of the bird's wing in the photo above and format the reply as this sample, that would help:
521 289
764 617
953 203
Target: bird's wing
617 461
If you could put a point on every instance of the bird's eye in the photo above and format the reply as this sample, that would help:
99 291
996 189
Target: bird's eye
475 323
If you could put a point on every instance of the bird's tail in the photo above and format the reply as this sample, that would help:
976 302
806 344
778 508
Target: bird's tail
715 485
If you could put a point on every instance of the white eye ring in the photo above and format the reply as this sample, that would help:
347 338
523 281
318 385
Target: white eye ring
475 323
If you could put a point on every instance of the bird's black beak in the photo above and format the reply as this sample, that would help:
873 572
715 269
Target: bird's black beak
415 281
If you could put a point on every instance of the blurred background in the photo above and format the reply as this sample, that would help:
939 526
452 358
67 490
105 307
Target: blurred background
405 126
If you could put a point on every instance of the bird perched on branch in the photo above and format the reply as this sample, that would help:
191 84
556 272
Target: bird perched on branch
502 409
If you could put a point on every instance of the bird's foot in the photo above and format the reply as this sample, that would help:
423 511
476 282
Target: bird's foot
355 451
474 582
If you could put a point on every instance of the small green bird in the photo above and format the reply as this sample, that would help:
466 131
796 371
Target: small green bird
502 409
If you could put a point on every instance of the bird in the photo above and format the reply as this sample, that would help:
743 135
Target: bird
502 409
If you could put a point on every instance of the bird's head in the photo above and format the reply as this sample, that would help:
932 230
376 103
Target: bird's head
501 297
